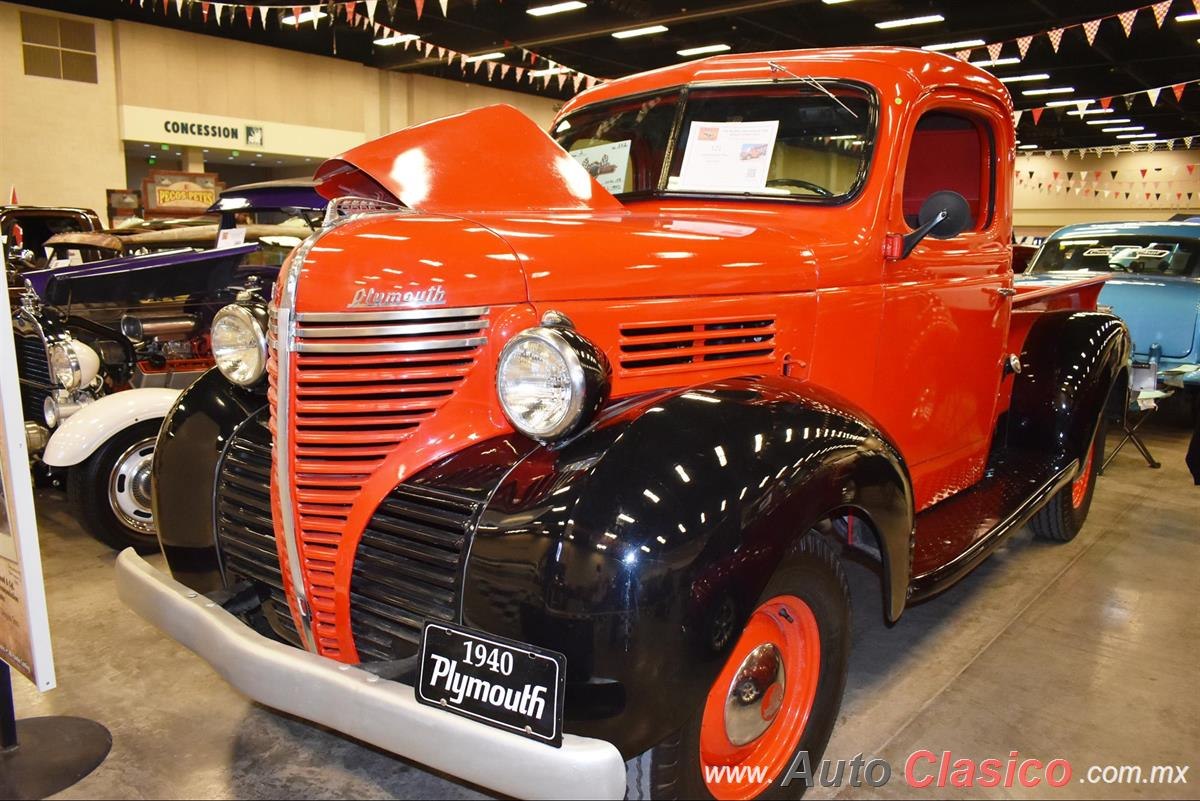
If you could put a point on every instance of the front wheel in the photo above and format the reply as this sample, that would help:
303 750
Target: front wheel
109 493
777 696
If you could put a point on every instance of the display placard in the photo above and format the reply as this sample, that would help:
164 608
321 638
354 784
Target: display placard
24 623
168 192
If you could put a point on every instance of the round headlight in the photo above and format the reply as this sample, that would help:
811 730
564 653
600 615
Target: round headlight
50 411
239 345
64 365
550 381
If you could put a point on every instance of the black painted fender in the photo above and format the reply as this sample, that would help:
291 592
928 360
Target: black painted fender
190 443
640 547
1071 361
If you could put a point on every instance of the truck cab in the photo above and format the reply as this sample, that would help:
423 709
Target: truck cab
557 440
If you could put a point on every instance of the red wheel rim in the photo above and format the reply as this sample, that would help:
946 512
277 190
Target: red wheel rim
788 624
1079 487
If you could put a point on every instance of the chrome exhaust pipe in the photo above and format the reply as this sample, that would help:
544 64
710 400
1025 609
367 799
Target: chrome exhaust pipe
136 327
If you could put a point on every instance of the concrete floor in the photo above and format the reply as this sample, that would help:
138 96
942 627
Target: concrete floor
1084 651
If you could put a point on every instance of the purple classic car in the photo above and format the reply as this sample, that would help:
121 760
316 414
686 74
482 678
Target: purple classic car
131 309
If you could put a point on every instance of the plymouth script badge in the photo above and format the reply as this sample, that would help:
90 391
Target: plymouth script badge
434 295
503 683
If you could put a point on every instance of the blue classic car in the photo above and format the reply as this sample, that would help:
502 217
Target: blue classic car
1154 285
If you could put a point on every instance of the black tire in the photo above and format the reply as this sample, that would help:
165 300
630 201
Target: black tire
89 496
813 573
1061 519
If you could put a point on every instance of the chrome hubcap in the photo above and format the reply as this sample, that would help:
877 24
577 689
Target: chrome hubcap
755 695
129 487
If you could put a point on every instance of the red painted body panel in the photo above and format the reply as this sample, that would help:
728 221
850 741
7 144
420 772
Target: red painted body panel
503 220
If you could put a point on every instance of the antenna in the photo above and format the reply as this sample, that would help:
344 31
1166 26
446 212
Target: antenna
811 81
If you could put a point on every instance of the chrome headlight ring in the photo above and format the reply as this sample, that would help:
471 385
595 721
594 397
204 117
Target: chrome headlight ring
551 381
239 344
64 365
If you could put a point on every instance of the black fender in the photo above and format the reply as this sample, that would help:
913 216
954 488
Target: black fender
190 444
640 547
1070 362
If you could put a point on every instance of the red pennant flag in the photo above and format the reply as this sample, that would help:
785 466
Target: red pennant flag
1024 41
1097 174
1037 115
204 12
1178 90
1191 171
420 4
1147 196
1055 37
165 4
1056 174
1127 18
994 50
1160 11
296 16
249 15
1143 172
1089 30
12 193
1105 102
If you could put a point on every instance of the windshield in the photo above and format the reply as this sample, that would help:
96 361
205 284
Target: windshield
1142 255
779 140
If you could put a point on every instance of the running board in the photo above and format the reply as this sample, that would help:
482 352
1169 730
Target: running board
954 536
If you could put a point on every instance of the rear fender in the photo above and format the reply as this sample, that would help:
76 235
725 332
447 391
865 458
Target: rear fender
1070 363
631 547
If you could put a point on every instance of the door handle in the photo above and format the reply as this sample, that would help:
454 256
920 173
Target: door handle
1005 291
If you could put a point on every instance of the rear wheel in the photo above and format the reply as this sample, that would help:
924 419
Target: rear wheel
109 493
1061 519
777 695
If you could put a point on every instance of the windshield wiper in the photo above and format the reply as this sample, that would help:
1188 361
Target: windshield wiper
811 81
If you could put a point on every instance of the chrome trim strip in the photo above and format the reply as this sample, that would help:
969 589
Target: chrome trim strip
285 337
418 346
389 330
390 316
348 699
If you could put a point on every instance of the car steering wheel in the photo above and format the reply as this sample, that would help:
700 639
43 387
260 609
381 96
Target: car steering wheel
801 184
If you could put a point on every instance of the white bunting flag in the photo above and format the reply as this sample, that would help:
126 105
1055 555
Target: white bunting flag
444 4
1153 95
504 68
371 5
491 69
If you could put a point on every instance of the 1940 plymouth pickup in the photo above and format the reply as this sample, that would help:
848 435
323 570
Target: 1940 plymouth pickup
541 475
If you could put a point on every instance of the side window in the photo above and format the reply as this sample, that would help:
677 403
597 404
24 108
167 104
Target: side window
956 151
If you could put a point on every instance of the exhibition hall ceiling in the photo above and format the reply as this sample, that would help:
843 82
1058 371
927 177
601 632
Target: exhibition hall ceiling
592 37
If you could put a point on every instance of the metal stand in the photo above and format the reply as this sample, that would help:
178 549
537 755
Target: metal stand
1131 435
42 756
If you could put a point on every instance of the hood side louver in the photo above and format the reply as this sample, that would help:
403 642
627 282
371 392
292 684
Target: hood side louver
669 347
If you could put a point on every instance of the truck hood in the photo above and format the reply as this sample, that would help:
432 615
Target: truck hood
489 159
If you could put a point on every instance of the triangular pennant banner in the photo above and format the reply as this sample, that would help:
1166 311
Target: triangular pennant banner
491 69
504 68
371 6
1017 117
1153 95
1178 90
963 55
1037 115
1160 11
1187 141
420 4
204 12
1105 102
444 4
1024 41
1055 37
1089 30
994 50
1127 18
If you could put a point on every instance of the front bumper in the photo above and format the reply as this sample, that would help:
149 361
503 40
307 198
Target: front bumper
364 706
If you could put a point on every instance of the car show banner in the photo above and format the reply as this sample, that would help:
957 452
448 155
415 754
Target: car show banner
24 623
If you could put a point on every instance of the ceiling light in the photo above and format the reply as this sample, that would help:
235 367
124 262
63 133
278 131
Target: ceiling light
396 38
1061 103
955 45
485 57
1036 76
555 8
1057 90
1137 136
1084 112
1026 147
629 34
303 17
1124 129
1187 17
548 72
1107 121
997 62
696 51
909 21
834 2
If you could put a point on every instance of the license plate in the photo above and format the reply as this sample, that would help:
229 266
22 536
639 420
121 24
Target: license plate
506 684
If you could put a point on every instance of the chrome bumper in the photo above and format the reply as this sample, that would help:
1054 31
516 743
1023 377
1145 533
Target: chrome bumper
364 706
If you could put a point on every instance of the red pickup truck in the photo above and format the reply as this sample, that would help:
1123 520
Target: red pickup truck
543 477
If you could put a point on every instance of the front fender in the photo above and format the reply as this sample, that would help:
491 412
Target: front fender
84 432
630 547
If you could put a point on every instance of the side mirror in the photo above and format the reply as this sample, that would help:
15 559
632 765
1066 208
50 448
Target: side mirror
943 215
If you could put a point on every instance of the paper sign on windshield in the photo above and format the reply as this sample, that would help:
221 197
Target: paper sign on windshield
608 163
727 156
